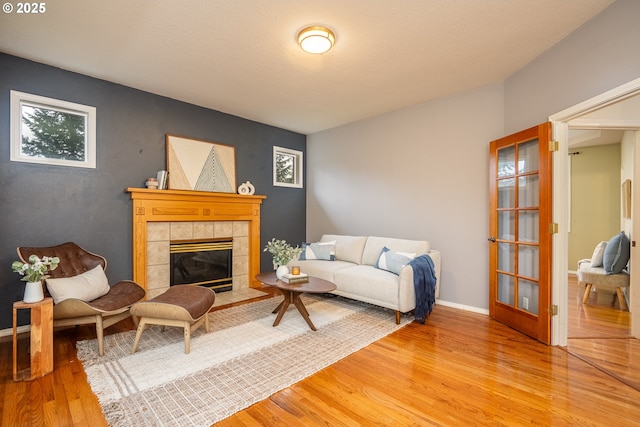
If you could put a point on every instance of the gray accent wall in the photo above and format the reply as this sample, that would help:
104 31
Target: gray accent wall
43 205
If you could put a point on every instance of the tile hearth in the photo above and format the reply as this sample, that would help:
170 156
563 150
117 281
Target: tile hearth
239 295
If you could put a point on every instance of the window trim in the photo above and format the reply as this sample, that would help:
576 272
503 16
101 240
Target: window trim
298 167
18 99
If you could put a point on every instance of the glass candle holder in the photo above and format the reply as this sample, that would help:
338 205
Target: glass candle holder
295 270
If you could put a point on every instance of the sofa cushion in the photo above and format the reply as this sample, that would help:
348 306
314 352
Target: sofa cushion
320 250
393 261
375 244
598 254
369 284
348 248
616 253
87 286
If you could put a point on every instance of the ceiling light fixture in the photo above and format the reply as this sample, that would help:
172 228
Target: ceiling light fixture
316 39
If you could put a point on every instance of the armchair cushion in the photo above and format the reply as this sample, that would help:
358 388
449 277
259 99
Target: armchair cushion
87 286
118 300
598 254
616 253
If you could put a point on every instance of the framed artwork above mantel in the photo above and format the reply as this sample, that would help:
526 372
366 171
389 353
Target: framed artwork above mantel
199 165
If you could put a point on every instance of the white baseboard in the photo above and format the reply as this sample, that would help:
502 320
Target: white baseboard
463 307
476 309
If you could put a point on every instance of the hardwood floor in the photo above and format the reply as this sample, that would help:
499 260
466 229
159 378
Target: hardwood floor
600 334
458 369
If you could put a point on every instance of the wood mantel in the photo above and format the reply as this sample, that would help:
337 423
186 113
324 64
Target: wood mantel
180 205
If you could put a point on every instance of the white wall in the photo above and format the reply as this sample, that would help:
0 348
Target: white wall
419 172
597 57
595 199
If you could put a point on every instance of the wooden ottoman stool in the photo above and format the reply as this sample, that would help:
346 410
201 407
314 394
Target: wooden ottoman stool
182 305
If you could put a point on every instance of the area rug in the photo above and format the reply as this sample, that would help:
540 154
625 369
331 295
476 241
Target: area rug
243 360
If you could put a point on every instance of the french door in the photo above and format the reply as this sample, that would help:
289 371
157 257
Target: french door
520 231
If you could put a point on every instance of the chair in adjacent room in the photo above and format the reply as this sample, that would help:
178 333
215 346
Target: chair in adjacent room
607 268
590 277
81 292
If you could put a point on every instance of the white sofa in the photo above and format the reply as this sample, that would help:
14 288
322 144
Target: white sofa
355 274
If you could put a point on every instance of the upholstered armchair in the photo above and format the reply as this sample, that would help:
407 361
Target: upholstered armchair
81 292
607 268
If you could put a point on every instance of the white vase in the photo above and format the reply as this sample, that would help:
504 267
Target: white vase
33 292
281 271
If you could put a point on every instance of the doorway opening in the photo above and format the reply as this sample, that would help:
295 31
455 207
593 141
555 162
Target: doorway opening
618 109
611 110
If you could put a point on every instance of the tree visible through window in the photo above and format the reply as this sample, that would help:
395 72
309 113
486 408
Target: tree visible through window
51 131
53 134
285 172
287 167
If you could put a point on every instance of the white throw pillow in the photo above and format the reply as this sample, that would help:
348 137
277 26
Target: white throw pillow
87 286
598 254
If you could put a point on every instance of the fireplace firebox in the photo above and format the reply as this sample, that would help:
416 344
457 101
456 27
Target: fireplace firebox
202 263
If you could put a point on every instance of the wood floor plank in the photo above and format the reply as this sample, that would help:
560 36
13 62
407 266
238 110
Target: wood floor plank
460 368
600 334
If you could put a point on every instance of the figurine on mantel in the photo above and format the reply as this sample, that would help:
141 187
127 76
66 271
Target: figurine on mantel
152 183
246 189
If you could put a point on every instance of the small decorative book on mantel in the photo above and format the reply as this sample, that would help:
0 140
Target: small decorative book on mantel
295 278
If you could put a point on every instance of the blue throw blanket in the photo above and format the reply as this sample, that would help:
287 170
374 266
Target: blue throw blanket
424 283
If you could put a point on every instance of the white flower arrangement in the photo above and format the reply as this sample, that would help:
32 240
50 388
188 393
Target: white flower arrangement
36 269
282 252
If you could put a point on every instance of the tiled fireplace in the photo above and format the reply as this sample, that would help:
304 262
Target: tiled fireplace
161 234
162 216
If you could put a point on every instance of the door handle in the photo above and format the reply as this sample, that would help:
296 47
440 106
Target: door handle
492 239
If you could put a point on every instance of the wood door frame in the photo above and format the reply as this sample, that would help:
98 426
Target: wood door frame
561 122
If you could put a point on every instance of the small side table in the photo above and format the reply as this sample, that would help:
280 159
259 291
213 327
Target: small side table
41 340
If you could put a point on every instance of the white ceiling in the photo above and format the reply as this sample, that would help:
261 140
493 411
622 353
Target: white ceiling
593 137
241 56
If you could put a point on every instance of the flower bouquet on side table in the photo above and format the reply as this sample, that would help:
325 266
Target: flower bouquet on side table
34 272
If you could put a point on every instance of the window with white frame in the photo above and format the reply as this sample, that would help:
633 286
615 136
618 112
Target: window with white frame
51 131
287 167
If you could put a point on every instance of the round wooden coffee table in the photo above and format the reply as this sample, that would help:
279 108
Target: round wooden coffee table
292 293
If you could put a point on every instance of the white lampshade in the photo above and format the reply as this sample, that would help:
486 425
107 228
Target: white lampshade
316 39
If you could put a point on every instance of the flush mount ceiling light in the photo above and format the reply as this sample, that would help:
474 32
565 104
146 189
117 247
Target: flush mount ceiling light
316 39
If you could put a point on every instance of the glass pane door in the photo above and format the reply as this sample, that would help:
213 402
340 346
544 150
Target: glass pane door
520 248
518 226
